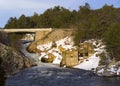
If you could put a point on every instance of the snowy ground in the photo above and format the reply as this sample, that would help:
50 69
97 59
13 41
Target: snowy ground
63 44
67 44
90 63
93 61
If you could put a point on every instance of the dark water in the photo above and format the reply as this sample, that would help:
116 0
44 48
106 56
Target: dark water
2 74
50 75
2 77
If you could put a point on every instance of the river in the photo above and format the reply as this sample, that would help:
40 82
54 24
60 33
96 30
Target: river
53 75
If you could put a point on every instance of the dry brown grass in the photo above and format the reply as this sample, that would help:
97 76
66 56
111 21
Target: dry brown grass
55 35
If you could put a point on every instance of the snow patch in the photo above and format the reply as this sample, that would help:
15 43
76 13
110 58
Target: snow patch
90 63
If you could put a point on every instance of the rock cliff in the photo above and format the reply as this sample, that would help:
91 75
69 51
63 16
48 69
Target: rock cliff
13 61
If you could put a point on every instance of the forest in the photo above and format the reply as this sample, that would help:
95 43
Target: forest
103 23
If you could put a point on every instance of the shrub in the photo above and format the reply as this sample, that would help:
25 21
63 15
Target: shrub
11 39
4 38
103 58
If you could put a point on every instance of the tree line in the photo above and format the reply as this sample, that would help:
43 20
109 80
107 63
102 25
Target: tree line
103 23
56 17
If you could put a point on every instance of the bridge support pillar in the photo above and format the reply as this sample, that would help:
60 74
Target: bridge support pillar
40 34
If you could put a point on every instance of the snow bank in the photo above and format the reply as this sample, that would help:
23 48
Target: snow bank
90 63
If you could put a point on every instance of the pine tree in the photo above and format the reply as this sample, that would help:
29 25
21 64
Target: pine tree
112 41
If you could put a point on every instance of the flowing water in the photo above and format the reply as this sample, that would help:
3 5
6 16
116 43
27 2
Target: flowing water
52 75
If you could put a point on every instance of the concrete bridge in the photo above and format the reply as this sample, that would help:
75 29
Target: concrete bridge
38 32
26 30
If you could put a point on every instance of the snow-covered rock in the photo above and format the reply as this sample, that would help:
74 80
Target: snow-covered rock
92 62
68 44
56 49
112 70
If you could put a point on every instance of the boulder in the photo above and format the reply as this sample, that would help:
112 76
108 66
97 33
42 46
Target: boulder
50 58
61 49
44 60
32 48
103 71
13 61
109 70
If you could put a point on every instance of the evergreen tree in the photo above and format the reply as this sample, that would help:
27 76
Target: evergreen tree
12 23
25 22
112 41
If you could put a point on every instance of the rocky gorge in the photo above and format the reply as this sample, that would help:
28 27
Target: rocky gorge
11 62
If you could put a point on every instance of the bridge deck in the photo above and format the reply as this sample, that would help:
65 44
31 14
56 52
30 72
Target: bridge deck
26 30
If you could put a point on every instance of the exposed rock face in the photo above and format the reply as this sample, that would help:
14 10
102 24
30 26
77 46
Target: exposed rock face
12 60
61 33
50 37
32 48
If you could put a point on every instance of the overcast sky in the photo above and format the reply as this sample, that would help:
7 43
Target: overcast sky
15 8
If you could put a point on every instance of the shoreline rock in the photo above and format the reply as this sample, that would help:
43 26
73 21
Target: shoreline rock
109 70
13 61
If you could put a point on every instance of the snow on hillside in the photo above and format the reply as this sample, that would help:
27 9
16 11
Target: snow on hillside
93 61
90 63
67 43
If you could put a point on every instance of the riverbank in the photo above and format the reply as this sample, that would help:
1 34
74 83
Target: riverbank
96 62
11 62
